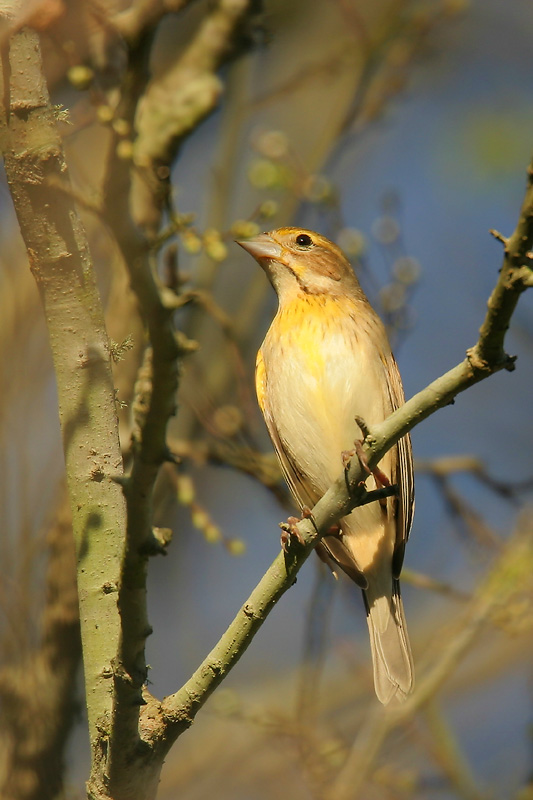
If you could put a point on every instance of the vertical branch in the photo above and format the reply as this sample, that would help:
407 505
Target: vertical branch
155 403
164 118
61 264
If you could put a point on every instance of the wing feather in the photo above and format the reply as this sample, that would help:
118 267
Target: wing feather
296 482
404 476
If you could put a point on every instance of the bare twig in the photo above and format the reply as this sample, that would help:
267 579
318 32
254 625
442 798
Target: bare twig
421 581
446 466
468 519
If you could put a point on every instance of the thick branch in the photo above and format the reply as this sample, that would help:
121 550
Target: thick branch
177 101
155 403
60 261
165 105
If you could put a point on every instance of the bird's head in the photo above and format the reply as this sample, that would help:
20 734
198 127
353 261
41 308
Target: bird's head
297 260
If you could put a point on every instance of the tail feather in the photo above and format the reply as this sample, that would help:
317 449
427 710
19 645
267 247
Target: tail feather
389 642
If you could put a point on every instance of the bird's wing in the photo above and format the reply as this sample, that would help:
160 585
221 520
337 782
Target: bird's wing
404 473
299 487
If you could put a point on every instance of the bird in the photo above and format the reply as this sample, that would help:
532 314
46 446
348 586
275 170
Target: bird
326 362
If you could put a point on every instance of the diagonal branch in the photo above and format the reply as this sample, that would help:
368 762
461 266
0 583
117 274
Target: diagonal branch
484 359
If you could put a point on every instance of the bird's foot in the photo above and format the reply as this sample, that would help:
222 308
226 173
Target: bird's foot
290 529
335 530
381 479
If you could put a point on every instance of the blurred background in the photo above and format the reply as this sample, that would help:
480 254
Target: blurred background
402 130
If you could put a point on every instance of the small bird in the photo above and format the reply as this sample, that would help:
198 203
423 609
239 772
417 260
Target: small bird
326 360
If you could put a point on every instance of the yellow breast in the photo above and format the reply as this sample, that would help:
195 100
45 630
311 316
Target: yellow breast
303 328
320 357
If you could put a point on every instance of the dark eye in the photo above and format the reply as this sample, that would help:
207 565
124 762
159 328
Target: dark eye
304 240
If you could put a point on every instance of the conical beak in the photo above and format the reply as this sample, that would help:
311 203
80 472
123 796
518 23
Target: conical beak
262 247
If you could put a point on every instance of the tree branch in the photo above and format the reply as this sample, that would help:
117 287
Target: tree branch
61 264
130 768
125 773
176 102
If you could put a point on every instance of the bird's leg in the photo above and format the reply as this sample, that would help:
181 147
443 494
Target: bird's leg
379 476
335 530
289 529
346 455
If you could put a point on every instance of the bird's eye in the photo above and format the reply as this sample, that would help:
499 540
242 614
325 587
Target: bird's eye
304 240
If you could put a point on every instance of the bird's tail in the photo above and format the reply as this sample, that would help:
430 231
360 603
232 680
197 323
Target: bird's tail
389 642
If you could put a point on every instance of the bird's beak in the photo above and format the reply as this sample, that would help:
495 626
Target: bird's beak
262 247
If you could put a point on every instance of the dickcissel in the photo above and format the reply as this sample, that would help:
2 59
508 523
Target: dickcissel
326 360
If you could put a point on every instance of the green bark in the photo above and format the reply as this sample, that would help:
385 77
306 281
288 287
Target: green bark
61 264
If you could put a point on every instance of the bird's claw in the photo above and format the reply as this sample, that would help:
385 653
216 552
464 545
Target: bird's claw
347 456
335 530
290 529
380 477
